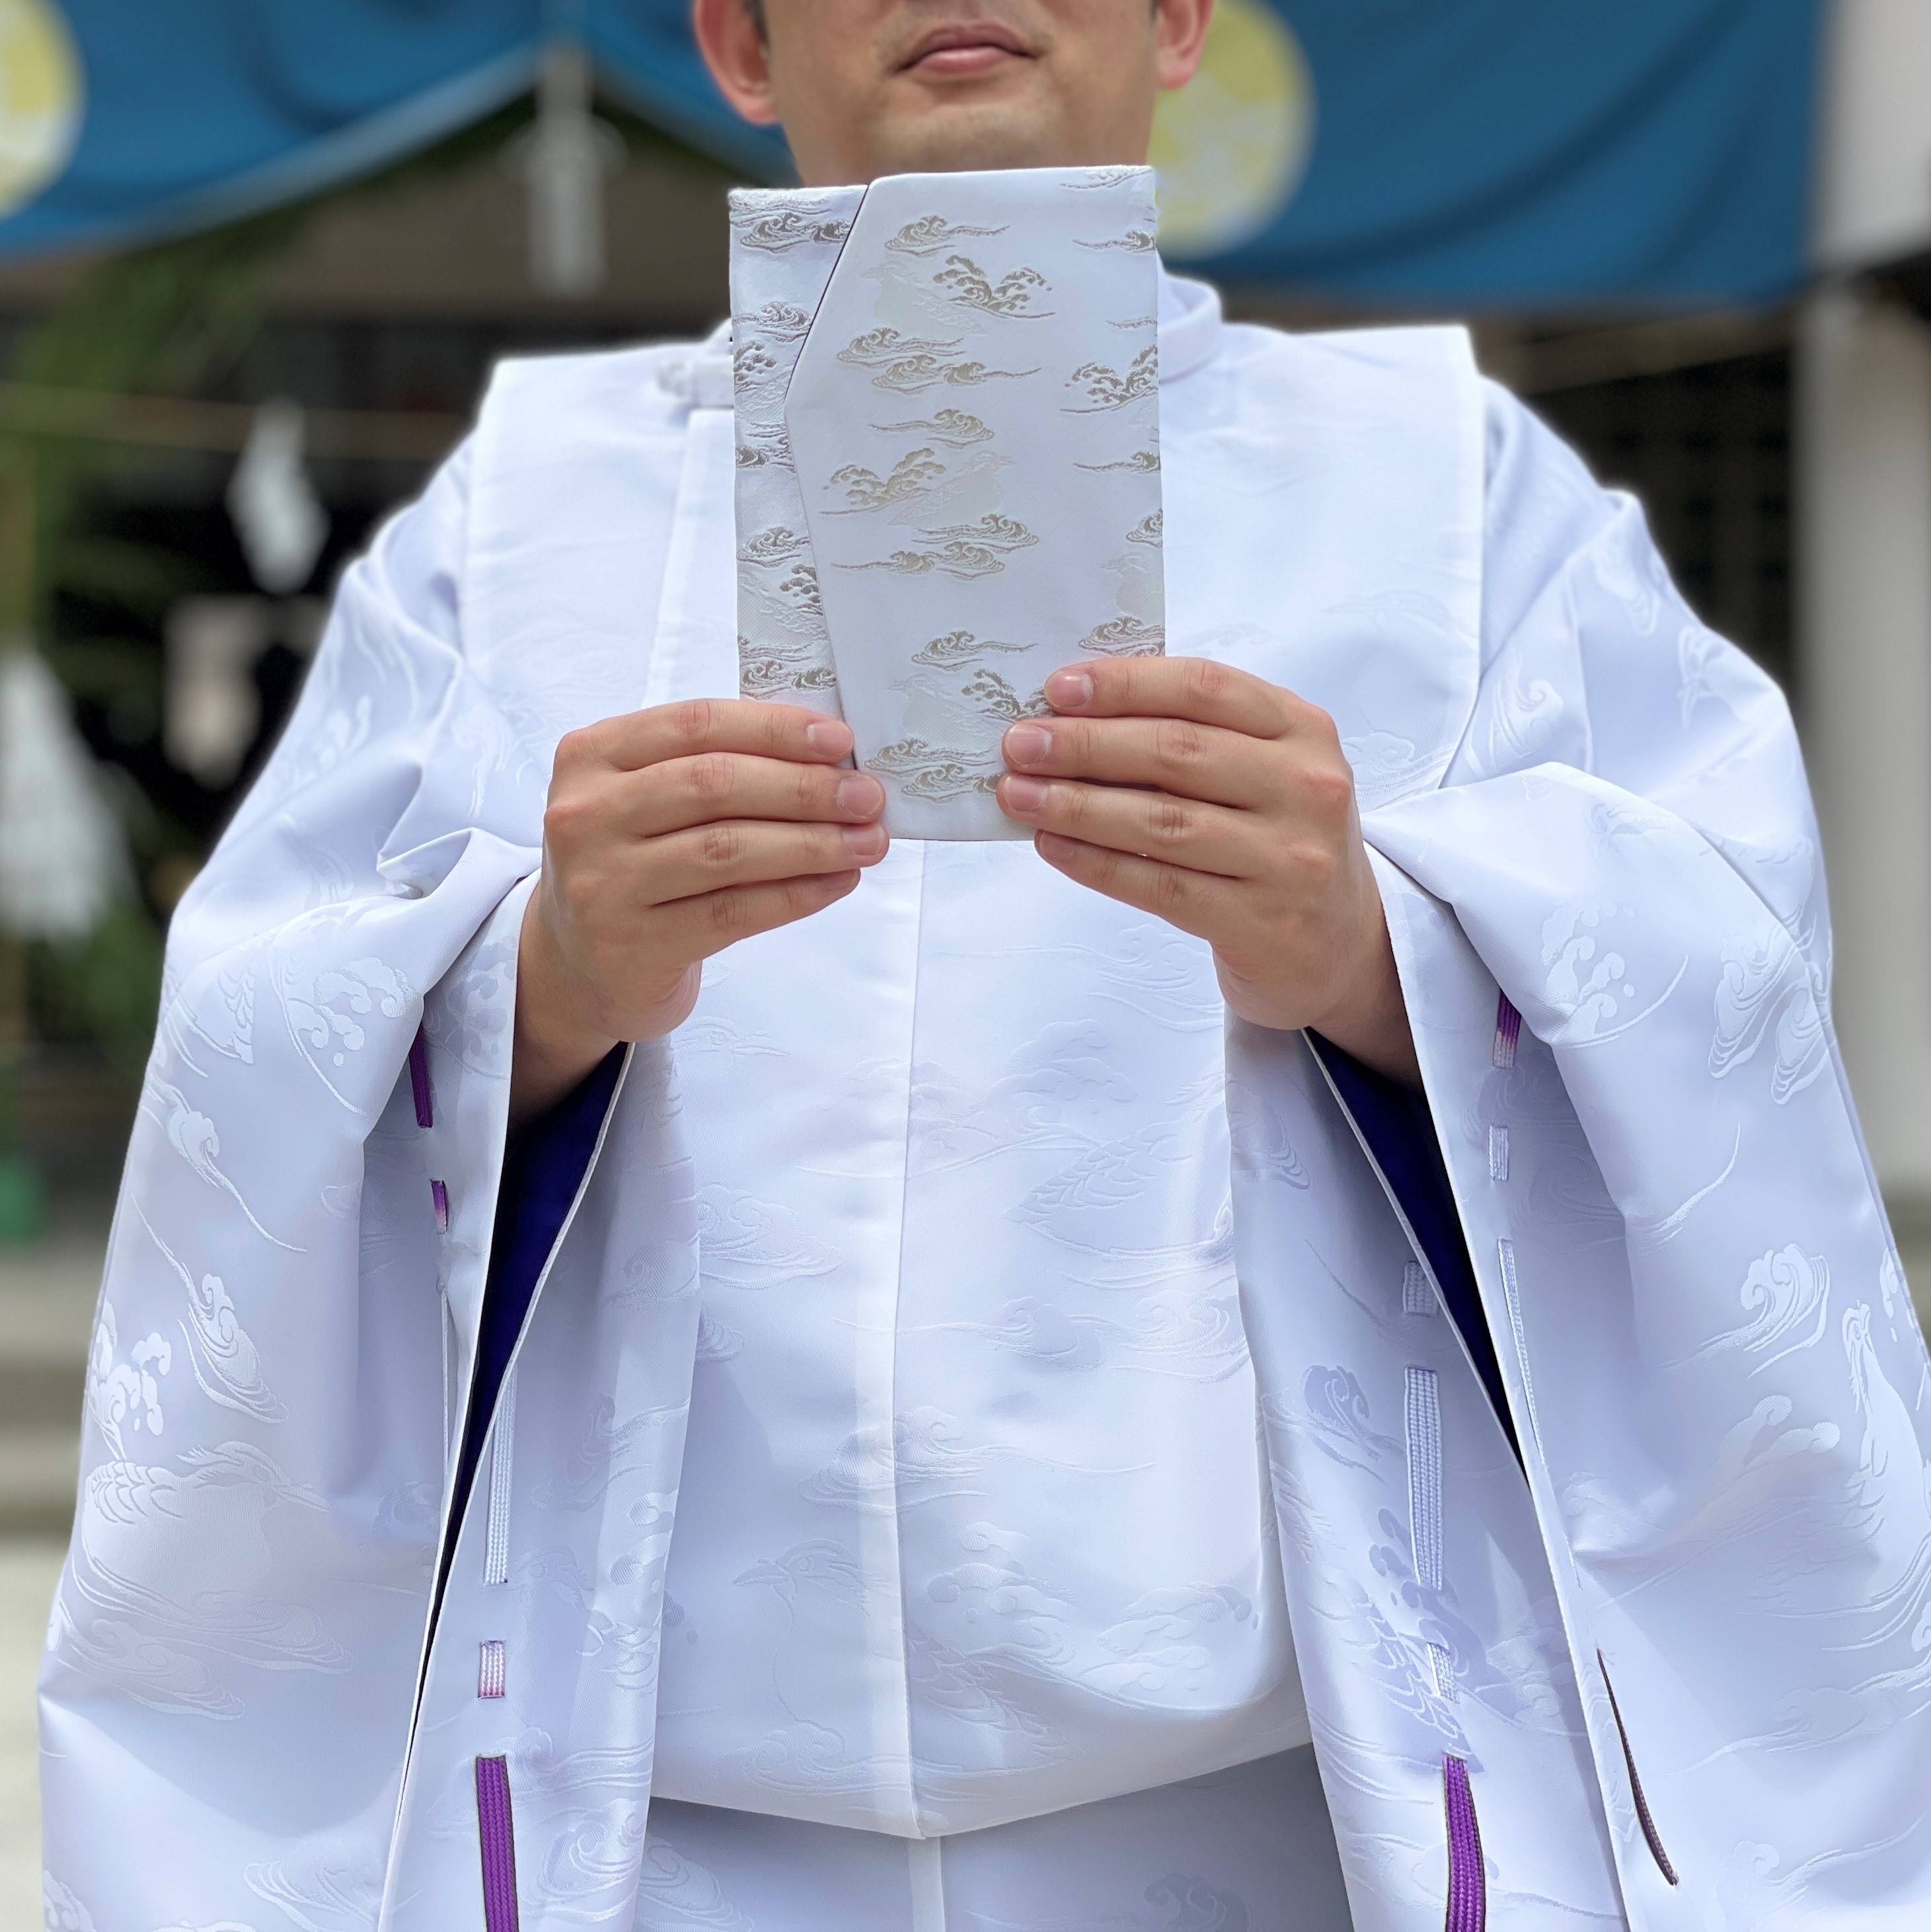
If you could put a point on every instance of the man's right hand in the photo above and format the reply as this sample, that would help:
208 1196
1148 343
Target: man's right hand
669 834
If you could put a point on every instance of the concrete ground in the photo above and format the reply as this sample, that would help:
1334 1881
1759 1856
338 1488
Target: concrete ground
28 1567
47 1294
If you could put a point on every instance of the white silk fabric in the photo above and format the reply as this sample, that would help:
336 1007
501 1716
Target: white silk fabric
975 1389
947 449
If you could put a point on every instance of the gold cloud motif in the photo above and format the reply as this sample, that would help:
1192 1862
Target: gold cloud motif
953 428
931 233
1124 638
1144 462
917 372
866 489
878 347
1010 296
957 647
993 695
791 228
1107 388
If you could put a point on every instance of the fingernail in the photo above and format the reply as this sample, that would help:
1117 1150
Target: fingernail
863 841
1028 744
1023 794
829 737
1069 689
861 795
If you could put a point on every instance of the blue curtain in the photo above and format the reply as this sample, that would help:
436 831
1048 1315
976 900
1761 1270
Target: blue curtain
1466 152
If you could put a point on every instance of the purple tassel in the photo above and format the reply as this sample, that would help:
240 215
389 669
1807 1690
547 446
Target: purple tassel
1508 1030
418 1079
1467 1884
439 1195
497 1832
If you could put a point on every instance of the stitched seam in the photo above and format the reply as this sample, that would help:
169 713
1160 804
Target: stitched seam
1505 1253
502 1450
1418 1297
905 1712
1423 1410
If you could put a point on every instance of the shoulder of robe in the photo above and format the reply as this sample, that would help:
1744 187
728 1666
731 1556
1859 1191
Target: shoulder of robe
1405 379
577 466
1326 531
544 410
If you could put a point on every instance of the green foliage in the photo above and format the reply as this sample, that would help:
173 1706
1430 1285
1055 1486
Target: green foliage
106 988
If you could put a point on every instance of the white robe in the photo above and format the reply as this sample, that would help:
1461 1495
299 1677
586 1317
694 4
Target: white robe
918 1283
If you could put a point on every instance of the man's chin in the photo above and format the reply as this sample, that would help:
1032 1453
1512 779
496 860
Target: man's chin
929 136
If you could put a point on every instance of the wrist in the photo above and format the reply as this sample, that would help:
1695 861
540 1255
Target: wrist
563 1027
1369 1017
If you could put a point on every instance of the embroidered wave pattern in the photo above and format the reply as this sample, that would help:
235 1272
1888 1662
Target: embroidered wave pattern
942 538
1107 388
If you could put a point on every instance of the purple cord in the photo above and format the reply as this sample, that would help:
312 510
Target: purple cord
498 1835
1651 1837
1467 1884
418 1079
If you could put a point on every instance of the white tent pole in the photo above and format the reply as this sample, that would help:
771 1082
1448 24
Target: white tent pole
1864 570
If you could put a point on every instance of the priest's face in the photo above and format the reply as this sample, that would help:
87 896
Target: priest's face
872 87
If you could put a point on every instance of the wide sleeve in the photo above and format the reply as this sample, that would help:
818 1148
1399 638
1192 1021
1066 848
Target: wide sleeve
1610 922
270 1395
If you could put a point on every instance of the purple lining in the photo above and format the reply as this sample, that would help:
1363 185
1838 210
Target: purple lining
1467 1884
498 1835
439 1194
1651 1837
1508 1030
418 1079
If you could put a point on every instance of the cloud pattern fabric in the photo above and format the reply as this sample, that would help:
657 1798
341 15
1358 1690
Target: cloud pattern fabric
947 394
879 1465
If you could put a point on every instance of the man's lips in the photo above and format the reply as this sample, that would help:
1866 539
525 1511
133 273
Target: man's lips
960 53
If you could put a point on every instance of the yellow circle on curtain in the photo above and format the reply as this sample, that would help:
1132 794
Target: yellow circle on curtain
1230 147
40 93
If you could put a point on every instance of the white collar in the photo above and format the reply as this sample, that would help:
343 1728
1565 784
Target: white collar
1190 324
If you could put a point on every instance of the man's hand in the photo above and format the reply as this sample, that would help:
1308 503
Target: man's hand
1225 804
669 834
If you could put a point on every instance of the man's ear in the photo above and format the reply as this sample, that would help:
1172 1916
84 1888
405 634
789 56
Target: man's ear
1179 33
732 40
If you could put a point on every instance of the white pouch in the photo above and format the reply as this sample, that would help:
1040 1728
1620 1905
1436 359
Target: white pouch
949 470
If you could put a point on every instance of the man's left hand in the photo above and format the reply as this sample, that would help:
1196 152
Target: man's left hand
1226 806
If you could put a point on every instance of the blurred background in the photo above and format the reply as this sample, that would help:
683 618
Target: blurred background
255 264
